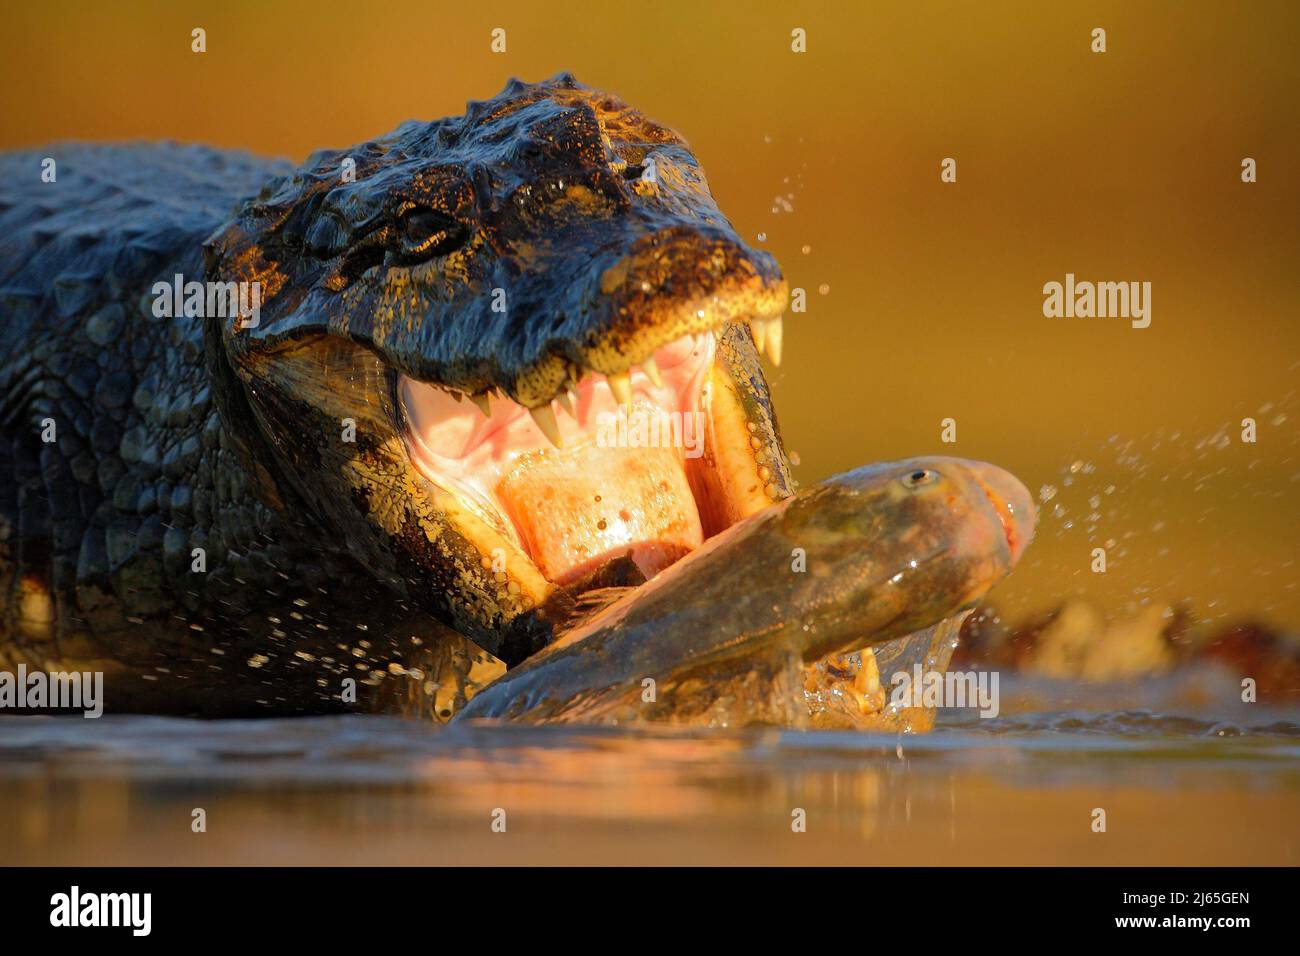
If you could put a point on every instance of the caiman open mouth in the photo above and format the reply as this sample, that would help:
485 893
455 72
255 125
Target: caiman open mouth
643 465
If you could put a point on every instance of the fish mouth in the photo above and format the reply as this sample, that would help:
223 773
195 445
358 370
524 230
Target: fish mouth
632 470
1012 503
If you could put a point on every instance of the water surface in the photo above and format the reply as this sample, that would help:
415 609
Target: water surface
1180 782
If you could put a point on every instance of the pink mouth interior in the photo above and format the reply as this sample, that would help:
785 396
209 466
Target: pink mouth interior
578 506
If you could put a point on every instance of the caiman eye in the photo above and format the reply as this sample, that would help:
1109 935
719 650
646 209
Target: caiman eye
426 234
920 477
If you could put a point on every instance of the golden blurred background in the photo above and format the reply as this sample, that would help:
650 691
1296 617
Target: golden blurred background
925 298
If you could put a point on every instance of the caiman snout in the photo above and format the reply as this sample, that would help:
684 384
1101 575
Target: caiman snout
685 261
675 281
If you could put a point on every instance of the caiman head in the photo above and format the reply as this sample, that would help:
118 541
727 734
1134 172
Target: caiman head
505 357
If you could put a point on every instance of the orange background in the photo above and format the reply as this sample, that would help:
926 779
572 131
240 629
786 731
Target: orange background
1116 166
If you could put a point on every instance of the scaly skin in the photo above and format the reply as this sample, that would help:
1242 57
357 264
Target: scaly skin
329 555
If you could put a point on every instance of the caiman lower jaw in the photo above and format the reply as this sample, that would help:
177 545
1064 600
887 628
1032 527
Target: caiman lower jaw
644 466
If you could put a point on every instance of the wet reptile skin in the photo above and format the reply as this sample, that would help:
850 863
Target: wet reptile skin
104 519
323 560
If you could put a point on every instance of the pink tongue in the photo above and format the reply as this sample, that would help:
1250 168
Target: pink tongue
578 508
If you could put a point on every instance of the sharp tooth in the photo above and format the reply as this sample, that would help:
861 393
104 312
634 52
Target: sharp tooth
544 416
759 329
565 403
773 340
652 371
481 400
621 386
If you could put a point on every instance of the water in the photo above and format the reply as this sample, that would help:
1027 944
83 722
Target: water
1194 784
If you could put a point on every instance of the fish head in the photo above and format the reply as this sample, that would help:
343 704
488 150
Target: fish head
905 544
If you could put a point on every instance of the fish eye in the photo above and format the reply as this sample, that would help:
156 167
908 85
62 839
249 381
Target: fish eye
920 477
425 233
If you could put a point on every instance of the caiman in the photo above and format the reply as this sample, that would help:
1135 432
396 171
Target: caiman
372 434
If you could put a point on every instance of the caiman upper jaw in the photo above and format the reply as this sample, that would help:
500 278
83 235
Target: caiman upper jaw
551 260
606 312
617 349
